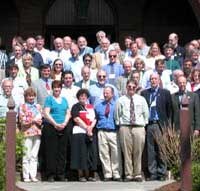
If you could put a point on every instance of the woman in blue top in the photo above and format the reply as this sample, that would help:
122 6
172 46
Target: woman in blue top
57 115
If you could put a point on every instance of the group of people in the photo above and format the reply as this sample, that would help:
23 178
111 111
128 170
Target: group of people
80 108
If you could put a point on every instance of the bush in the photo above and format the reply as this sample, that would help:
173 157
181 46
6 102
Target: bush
2 166
196 149
196 176
170 151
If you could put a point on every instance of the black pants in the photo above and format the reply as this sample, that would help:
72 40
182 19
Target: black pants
55 149
156 164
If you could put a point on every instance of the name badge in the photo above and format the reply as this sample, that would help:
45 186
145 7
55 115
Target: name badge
153 104
111 76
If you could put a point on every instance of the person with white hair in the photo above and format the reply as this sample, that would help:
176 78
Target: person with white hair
5 95
121 80
37 58
59 52
83 47
99 35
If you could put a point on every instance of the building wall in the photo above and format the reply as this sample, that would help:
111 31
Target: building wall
153 19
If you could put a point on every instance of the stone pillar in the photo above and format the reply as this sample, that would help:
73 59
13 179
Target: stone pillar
10 146
185 127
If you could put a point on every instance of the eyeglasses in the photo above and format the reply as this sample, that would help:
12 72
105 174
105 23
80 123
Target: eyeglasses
131 86
112 56
87 60
101 76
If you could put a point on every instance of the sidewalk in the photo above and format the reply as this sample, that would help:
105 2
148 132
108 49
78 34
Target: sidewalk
93 186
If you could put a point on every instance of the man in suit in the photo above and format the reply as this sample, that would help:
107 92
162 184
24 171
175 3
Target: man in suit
179 52
159 102
194 108
42 86
85 82
121 80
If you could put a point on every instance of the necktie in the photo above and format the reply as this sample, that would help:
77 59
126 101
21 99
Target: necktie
132 114
28 78
107 110
161 84
58 55
184 100
153 97
105 56
47 86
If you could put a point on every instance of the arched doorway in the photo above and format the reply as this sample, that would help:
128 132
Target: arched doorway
80 17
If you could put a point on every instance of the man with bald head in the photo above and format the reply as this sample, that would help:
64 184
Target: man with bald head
194 108
179 51
83 47
173 86
67 42
59 52
75 62
37 58
5 95
159 103
99 35
86 82
101 57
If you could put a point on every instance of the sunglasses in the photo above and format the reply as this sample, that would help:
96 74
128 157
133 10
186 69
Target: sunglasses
101 76
131 86
58 64
112 56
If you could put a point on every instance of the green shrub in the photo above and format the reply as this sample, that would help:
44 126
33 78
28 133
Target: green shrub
170 152
2 166
196 149
196 176
20 149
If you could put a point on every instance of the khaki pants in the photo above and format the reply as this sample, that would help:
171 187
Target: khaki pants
109 154
132 140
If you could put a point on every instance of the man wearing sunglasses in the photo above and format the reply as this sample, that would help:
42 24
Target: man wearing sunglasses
113 69
96 90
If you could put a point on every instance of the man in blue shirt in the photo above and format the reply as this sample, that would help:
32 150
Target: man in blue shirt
75 63
96 90
113 69
108 141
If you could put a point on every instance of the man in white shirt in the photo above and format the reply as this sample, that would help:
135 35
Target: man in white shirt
59 52
39 47
131 114
160 69
5 95
69 90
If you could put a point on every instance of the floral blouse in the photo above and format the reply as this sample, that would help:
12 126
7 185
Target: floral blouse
28 113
